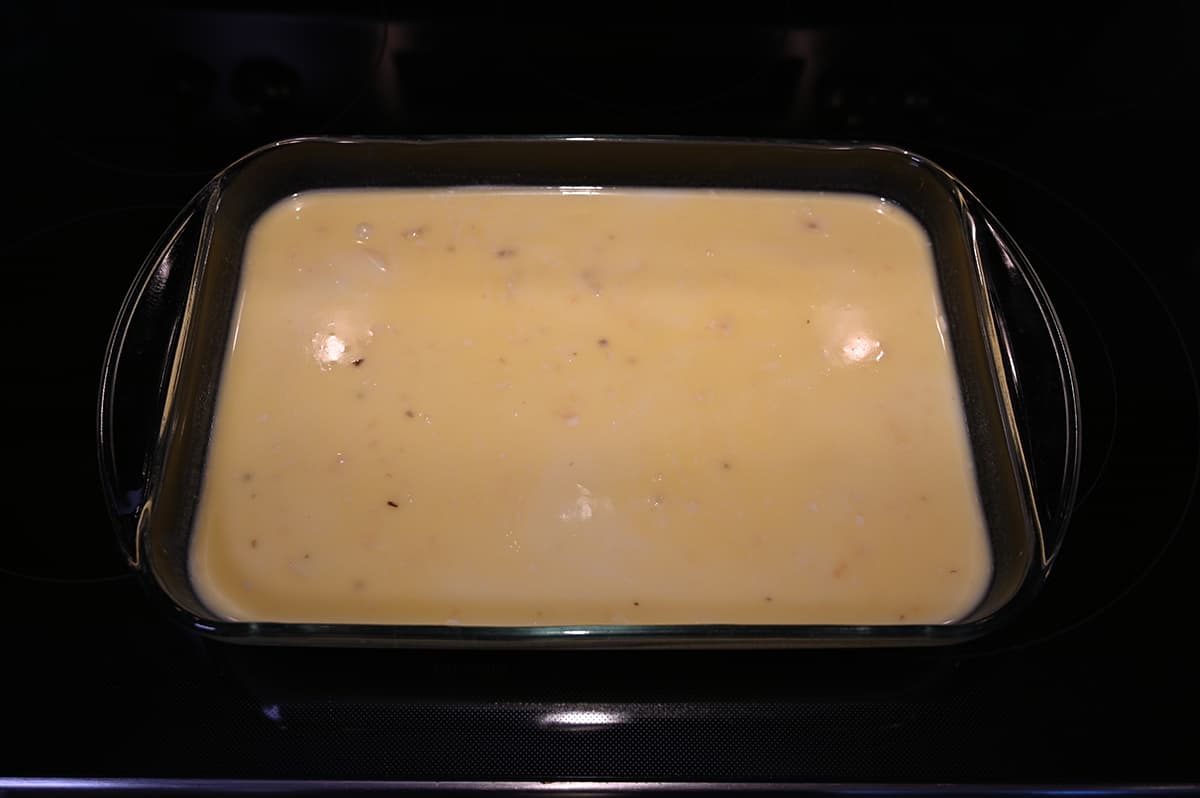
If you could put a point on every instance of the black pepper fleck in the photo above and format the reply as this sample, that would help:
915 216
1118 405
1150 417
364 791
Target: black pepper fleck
506 252
409 413
768 598
603 342
725 464
392 503
637 603
254 543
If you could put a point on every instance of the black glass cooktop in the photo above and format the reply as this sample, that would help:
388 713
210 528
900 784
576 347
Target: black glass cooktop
1080 138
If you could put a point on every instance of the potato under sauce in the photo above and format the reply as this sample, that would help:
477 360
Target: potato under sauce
569 407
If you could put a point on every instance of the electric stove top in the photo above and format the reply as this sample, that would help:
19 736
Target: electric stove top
1079 137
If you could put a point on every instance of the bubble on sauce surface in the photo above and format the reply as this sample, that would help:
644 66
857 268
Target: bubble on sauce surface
513 542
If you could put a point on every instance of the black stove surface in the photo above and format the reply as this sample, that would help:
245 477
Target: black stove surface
1080 138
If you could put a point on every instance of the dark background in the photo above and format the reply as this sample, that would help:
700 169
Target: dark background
1080 134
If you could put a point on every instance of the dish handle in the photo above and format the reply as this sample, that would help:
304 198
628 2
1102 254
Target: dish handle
1044 392
137 368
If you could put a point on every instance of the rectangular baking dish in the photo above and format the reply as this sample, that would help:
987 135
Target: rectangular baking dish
166 352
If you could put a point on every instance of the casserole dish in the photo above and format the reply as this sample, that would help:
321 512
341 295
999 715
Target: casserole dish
167 361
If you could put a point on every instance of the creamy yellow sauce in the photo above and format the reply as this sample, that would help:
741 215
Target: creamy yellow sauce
536 407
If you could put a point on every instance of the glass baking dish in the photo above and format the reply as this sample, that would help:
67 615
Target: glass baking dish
165 355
